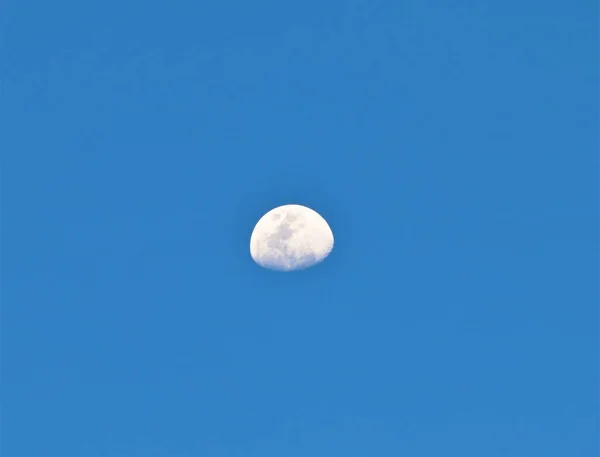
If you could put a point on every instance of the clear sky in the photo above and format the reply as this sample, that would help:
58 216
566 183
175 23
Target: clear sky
451 146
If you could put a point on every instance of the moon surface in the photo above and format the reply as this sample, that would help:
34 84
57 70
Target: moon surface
290 237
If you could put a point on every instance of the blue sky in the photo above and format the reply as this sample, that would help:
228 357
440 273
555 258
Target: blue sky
451 146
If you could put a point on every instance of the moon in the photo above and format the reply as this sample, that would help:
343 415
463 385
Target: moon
290 237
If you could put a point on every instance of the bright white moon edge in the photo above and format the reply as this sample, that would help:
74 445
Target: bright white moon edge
291 237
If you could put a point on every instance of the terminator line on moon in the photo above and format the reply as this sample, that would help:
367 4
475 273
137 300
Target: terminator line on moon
290 237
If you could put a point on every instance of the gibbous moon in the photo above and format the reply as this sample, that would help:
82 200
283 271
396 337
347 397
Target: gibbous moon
290 237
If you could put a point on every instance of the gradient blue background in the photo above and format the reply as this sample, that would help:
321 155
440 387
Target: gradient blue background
452 146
